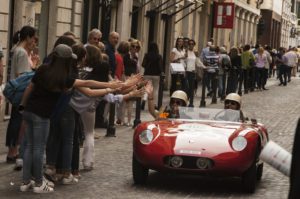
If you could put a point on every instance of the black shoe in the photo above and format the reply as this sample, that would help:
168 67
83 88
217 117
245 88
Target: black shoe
280 84
265 88
246 92
284 84
209 94
11 160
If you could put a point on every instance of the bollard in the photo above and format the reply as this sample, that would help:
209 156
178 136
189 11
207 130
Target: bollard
137 119
192 90
202 102
160 90
111 129
178 82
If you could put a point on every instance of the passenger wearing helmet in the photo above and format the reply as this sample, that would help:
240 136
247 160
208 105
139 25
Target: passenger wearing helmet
233 101
178 98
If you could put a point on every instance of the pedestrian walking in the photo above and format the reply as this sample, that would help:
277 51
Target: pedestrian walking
234 71
261 61
178 55
247 76
292 63
224 66
191 64
281 63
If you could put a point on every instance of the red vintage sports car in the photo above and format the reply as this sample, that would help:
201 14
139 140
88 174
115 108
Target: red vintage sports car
200 141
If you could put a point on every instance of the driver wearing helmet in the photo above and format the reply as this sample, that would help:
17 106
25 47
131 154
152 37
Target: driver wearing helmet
233 101
178 98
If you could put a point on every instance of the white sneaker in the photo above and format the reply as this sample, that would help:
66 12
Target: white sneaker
69 180
44 188
26 187
51 174
48 182
50 171
19 164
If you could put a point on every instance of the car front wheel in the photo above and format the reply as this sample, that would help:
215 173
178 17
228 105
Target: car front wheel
139 172
260 169
249 179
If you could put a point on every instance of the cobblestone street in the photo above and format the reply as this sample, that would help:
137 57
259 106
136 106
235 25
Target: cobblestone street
278 108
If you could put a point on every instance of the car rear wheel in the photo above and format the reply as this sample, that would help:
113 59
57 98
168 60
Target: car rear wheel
249 179
259 173
139 172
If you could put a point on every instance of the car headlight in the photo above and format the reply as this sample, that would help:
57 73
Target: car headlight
239 143
146 136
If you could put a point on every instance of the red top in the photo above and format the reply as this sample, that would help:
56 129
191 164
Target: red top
119 66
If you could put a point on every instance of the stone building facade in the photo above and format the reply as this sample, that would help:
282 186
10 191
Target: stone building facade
271 23
289 23
51 18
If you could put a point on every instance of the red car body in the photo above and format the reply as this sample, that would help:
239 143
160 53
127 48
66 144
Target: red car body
191 139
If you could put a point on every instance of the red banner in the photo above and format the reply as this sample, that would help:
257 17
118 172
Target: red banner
223 15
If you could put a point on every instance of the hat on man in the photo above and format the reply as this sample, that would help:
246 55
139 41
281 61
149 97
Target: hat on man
64 51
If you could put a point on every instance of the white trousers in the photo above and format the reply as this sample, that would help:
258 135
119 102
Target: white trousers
88 120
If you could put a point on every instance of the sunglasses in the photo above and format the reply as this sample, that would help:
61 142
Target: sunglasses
227 102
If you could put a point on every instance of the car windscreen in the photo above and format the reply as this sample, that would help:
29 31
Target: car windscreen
209 114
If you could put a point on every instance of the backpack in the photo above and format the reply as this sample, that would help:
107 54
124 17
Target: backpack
226 64
14 89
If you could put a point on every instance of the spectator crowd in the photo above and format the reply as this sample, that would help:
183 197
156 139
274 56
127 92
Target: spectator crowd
73 86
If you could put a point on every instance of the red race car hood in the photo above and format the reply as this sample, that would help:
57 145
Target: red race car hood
198 138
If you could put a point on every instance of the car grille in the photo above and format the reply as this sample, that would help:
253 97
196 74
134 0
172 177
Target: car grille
189 162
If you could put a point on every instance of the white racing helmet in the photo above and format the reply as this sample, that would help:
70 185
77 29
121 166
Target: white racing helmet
179 94
234 97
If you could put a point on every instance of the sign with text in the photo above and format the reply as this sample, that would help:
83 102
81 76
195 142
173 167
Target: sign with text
223 15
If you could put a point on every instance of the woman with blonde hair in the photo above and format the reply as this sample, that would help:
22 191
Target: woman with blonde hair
260 62
130 67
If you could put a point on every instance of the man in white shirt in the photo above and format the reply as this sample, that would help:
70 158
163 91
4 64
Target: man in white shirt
205 51
292 59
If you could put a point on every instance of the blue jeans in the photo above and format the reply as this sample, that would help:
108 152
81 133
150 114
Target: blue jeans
60 142
37 129
221 85
13 128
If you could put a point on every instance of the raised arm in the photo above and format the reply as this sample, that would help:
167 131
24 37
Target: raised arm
96 84
95 92
151 106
